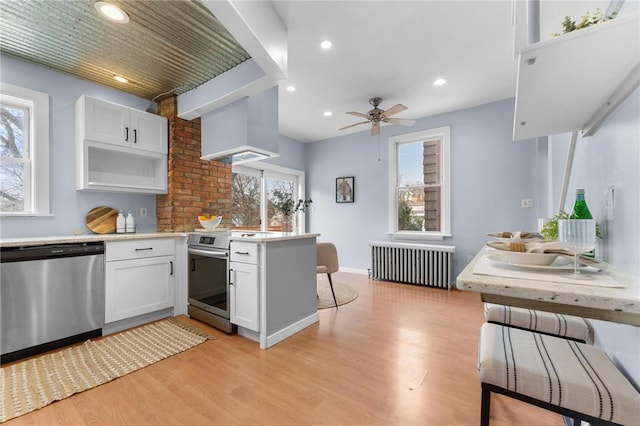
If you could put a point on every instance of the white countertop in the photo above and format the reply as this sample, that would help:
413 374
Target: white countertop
34 241
619 304
257 237
267 237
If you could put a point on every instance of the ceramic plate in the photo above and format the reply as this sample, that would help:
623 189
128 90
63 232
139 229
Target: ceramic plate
496 236
560 264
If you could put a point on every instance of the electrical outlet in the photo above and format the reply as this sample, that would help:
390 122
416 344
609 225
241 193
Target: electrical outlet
527 203
143 212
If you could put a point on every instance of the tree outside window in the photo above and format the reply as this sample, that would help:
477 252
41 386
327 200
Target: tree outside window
247 200
14 157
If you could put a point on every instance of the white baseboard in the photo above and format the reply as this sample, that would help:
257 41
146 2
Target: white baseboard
292 329
355 271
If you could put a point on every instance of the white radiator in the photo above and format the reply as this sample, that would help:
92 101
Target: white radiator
423 264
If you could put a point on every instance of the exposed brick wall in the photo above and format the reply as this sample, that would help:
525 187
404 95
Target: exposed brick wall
195 186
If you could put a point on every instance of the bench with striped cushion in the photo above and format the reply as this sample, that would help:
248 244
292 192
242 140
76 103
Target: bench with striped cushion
566 326
571 378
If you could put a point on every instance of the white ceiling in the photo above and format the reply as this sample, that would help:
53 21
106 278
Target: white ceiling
395 50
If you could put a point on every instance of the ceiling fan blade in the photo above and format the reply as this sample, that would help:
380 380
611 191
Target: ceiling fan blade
351 125
357 114
394 110
401 121
375 128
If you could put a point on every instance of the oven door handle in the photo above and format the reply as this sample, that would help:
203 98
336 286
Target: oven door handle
208 253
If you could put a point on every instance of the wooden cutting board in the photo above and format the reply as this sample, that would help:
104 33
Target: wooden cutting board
102 220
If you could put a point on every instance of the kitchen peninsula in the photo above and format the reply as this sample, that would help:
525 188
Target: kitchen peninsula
278 297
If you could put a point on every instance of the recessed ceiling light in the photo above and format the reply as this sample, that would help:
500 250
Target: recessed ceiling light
120 79
291 88
112 12
326 44
439 82
328 113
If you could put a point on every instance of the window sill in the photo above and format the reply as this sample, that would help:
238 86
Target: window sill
7 215
419 236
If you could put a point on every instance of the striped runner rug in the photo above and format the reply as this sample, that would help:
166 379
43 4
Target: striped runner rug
28 385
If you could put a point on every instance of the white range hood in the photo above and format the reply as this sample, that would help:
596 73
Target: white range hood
246 130
239 155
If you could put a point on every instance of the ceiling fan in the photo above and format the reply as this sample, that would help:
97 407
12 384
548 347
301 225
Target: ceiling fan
377 115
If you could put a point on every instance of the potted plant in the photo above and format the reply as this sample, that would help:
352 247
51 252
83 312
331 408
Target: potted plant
287 207
587 20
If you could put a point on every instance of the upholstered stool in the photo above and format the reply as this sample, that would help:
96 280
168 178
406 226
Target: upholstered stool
566 326
570 378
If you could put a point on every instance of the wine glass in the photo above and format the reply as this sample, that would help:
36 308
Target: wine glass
577 236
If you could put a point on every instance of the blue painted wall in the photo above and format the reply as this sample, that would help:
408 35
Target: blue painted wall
490 175
68 206
610 159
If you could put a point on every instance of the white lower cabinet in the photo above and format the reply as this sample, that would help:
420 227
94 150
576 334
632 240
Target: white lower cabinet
244 286
139 278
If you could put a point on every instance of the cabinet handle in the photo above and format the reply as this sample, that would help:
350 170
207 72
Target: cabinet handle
135 135
145 249
230 282
246 253
171 265
126 134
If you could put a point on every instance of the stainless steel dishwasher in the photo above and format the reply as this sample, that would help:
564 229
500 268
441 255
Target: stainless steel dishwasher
50 296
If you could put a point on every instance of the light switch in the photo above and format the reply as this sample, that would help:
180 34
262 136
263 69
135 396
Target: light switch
608 205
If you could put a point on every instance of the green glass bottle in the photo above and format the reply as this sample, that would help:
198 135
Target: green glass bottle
580 209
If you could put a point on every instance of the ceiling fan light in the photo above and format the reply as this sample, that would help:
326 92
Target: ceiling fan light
328 114
112 12
439 81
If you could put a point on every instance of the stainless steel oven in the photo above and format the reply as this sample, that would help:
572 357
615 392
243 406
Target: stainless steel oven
209 278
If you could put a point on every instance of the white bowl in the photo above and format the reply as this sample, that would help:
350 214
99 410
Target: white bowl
210 224
519 258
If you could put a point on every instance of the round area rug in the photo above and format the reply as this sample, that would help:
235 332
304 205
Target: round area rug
344 293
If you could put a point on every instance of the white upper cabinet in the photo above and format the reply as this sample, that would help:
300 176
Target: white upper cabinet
115 124
572 82
119 149
149 131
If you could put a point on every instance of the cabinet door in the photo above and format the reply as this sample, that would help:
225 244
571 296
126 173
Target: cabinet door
107 122
244 296
138 286
149 132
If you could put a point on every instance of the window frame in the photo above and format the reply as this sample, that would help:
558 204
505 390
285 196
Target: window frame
444 134
266 170
37 197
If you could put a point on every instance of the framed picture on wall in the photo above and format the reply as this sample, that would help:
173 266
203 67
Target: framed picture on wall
345 189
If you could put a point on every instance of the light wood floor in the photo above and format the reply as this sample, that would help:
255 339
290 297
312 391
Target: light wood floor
397 355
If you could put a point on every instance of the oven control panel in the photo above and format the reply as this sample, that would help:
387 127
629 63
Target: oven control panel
210 239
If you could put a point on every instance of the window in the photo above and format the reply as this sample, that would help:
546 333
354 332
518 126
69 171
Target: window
254 192
246 198
419 199
24 151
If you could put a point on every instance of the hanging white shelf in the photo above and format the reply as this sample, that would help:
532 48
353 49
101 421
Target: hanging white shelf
572 82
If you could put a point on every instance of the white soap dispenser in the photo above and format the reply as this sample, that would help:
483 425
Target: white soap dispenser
130 223
120 223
